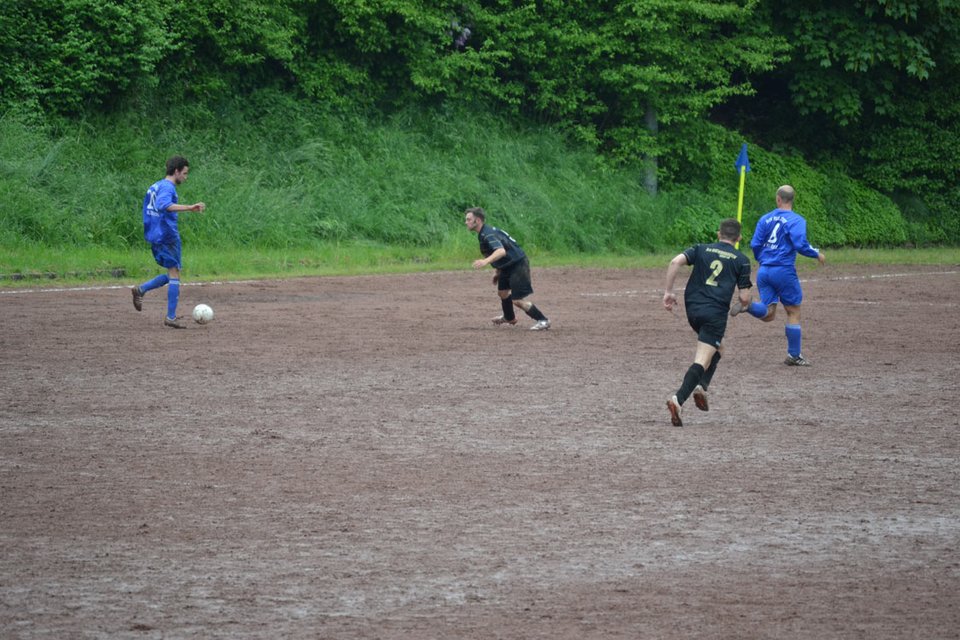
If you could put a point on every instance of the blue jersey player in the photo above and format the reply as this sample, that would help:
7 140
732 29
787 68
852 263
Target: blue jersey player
512 275
780 235
718 269
160 209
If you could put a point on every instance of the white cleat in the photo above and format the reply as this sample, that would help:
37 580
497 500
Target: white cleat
674 407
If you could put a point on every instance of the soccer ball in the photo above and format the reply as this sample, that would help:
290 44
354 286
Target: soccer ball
202 314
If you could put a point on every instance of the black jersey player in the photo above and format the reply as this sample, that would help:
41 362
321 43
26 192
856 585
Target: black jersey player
718 269
513 270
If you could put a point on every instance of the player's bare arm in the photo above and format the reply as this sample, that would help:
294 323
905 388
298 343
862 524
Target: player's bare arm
493 257
669 297
200 206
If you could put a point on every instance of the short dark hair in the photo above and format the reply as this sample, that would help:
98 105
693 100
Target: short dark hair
176 163
730 229
477 213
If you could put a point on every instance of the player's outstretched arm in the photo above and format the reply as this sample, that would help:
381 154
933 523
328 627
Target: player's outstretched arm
669 297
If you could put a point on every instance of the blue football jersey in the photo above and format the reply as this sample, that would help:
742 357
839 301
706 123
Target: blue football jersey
779 236
159 223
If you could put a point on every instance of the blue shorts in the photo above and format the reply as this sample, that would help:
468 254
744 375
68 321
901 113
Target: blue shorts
167 255
779 284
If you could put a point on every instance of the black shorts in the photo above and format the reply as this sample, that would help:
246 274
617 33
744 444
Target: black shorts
516 279
710 324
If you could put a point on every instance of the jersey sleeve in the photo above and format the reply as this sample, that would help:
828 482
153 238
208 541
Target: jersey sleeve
490 242
743 272
798 236
756 242
165 197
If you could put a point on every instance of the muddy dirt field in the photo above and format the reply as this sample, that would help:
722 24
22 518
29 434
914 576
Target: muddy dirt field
369 457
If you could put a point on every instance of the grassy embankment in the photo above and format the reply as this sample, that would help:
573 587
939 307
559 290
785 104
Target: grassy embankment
294 193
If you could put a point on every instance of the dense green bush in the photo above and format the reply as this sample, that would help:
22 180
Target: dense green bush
245 84
839 210
68 56
276 173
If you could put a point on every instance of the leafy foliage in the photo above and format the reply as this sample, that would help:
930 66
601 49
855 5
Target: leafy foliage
871 85
66 56
868 86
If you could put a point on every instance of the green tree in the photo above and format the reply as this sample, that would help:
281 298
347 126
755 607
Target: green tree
66 56
872 84
625 76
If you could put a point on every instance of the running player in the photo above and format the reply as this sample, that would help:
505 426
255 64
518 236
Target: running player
718 269
779 236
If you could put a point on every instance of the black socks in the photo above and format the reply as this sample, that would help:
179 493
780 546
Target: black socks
507 305
535 313
690 382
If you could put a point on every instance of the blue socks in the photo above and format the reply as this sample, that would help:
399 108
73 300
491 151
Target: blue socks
792 331
173 292
794 336
757 309
173 297
156 283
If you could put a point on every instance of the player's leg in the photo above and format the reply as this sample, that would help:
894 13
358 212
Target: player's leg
794 337
710 328
171 257
161 258
766 308
694 376
159 255
173 296
154 283
522 289
691 380
505 291
506 303
792 297
529 308
700 391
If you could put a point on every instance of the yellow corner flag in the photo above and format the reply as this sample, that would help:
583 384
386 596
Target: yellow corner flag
742 165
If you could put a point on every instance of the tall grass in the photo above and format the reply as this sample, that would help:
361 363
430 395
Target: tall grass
291 189
276 174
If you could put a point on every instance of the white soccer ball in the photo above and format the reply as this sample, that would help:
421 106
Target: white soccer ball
202 314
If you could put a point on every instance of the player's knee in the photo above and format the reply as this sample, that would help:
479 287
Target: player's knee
523 304
504 294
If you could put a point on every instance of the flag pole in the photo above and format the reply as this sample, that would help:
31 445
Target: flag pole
742 165
743 179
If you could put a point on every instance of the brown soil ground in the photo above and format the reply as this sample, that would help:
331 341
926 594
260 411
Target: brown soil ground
368 457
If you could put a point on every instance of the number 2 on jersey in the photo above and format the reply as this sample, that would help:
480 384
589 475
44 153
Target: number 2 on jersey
717 267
